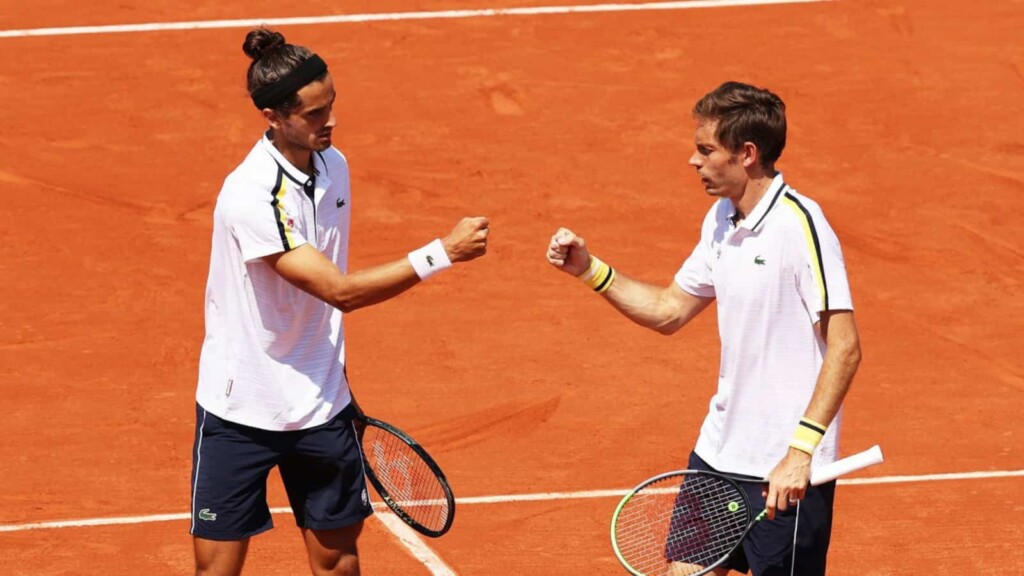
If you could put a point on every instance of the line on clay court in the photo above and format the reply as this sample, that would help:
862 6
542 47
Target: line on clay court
387 17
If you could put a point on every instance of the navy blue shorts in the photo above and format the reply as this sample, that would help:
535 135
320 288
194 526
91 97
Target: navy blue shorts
768 549
321 467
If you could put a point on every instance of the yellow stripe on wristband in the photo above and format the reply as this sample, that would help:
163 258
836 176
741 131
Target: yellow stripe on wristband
604 286
599 275
807 435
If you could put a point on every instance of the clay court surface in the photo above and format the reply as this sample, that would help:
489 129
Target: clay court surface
905 124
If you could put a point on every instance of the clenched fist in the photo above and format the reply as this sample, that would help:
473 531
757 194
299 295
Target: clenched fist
568 252
468 239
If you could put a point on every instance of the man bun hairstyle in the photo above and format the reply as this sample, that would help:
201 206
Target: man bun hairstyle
746 113
278 70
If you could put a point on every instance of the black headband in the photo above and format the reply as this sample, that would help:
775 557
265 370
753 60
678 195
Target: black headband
274 94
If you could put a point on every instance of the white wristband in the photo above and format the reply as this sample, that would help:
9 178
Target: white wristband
429 260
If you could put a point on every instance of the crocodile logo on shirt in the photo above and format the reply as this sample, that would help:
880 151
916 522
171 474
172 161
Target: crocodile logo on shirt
758 260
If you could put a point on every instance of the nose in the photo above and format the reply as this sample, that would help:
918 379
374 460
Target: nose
694 160
332 121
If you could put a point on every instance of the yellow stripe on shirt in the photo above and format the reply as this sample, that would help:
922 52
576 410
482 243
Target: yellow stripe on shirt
284 223
811 235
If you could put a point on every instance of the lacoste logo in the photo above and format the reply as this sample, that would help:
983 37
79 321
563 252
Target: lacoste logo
430 261
758 260
340 202
205 514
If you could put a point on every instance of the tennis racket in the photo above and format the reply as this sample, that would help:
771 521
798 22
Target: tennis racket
406 478
687 522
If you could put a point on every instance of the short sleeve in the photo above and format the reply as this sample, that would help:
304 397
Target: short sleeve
695 275
821 275
261 228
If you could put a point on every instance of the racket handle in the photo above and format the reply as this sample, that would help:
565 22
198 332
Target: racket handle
830 472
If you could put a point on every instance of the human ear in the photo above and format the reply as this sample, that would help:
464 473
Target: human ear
750 154
272 118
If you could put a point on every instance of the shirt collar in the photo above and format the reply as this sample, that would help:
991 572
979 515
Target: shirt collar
765 204
293 173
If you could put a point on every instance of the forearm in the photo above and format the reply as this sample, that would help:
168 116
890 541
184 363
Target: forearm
309 270
834 379
839 366
371 286
664 310
640 302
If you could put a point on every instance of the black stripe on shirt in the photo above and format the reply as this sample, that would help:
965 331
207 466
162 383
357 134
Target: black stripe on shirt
817 247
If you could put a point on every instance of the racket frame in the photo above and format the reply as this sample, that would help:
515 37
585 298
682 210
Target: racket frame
371 475
685 473
819 476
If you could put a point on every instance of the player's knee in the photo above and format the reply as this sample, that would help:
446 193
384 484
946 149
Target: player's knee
340 564
334 552
214 558
216 569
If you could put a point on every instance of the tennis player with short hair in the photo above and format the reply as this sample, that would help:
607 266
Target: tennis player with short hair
790 346
272 387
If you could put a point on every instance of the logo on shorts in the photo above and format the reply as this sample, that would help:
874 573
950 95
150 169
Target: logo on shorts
205 514
340 202
758 260
366 498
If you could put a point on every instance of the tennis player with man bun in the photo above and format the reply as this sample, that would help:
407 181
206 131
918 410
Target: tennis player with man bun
272 387
790 346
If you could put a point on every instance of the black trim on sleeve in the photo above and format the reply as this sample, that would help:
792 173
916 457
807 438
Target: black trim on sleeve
274 202
817 247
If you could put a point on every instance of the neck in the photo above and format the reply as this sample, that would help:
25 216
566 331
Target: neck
752 193
301 158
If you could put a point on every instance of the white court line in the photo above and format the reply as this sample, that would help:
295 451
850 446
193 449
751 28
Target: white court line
582 495
352 18
408 537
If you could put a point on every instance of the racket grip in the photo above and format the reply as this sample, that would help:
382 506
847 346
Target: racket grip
830 472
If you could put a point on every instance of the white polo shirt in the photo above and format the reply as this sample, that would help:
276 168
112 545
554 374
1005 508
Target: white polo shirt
772 274
274 356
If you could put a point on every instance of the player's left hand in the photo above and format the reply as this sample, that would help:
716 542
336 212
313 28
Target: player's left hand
569 252
787 483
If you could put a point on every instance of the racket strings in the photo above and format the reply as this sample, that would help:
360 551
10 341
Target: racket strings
681 525
408 480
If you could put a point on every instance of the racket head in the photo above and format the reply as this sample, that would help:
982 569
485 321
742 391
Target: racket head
406 478
681 523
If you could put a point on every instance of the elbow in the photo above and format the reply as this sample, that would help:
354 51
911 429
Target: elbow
345 301
349 305
852 356
667 328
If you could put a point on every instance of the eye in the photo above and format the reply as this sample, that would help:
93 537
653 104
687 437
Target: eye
318 112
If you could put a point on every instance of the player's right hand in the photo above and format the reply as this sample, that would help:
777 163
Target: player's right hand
468 239
568 252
